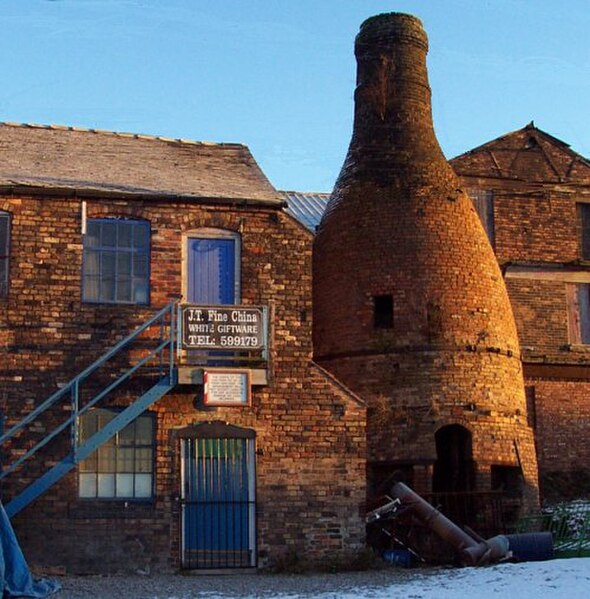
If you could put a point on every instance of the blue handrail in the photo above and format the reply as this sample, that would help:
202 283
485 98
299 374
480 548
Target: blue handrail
73 386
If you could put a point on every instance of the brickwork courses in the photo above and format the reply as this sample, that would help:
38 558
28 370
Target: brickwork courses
398 229
310 437
538 185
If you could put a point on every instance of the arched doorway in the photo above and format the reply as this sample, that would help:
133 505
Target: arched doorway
218 509
453 469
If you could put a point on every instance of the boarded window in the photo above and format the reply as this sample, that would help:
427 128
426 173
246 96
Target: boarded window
483 202
584 212
578 309
123 466
4 252
116 261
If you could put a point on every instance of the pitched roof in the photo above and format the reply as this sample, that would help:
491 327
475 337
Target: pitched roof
527 154
307 207
91 161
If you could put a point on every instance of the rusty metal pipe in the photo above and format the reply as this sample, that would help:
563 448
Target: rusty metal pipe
471 552
435 521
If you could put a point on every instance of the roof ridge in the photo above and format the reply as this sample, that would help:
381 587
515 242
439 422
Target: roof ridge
56 127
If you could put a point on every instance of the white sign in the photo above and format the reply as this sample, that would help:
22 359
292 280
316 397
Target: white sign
226 387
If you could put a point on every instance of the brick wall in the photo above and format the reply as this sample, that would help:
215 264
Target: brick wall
310 435
537 182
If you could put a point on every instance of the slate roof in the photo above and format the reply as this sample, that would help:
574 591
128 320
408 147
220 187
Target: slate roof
96 162
307 207
527 154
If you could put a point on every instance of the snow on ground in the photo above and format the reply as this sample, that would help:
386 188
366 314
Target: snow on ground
563 578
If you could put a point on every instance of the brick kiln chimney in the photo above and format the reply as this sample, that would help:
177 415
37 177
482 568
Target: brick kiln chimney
410 307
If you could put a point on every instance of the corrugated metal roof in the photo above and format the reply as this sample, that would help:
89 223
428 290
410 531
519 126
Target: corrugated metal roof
307 207
94 161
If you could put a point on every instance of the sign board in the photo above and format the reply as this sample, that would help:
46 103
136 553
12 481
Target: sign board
222 327
225 387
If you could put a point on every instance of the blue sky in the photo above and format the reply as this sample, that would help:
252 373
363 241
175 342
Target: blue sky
279 75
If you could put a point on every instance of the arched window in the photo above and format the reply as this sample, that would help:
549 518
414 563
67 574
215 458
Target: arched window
116 261
4 252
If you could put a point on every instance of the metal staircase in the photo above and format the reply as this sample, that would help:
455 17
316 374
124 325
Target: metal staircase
154 361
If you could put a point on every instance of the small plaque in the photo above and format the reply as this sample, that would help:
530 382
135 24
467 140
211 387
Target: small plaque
225 387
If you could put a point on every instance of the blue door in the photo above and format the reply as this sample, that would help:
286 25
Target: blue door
211 271
218 509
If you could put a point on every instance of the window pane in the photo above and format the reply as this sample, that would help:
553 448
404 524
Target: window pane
140 265
144 430
87 485
127 435
106 458
125 459
106 485
125 485
3 276
3 234
124 264
143 485
107 264
107 289
143 460
91 262
92 238
89 464
141 233
140 291
124 239
124 290
109 234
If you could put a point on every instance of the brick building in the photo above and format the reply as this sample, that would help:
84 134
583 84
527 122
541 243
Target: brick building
101 233
161 403
532 192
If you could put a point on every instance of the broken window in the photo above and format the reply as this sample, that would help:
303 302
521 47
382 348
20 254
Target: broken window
4 252
483 202
123 466
383 311
578 309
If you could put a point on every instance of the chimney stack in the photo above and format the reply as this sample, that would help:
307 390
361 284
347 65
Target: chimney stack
410 307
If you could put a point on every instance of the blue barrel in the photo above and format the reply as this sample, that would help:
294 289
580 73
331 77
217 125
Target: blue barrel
398 557
531 546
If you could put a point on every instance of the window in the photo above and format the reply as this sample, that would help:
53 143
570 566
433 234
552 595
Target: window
116 261
383 311
213 267
483 202
584 212
4 252
578 308
121 468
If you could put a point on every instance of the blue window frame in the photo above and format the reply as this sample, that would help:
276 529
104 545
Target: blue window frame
121 468
116 261
4 252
